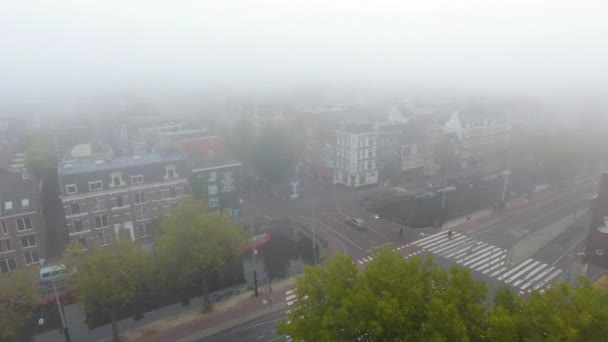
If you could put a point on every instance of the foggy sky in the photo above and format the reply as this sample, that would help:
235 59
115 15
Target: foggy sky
67 47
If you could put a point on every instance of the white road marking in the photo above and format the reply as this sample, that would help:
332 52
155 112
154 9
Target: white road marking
537 278
453 242
488 261
475 254
548 279
428 237
475 247
515 269
518 274
481 257
468 243
529 275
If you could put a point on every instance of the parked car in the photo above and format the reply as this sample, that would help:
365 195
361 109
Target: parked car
356 223
55 273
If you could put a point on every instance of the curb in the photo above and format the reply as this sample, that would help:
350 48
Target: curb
248 317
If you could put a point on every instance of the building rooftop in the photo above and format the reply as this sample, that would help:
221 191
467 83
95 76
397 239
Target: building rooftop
70 167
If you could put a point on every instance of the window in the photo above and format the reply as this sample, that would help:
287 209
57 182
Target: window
78 227
213 202
172 193
7 265
369 153
116 179
8 205
5 245
99 204
31 257
28 241
138 179
71 189
170 172
24 224
101 221
119 201
139 214
142 230
212 176
25 203
75 207
96 185
4 228
139 197
212 190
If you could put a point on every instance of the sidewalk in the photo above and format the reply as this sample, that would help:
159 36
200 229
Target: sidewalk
194 325
484 218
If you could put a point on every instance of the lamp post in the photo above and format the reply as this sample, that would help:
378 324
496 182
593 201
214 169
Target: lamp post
66 332
255 274
444 191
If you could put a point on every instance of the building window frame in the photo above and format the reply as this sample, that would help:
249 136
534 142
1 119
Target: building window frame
213 202
6 246
30 241
96 185
26 224
25 203
68 188
8 265
34 258
101 221
170 172
75 227
116 176
137 179
139 197
8 205
4 226
143 227
212 190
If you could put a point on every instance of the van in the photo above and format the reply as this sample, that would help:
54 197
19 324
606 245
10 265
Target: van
55 273
356 223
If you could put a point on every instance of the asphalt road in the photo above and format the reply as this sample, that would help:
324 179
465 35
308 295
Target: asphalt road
259 330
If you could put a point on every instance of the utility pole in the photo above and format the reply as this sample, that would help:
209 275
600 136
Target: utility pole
66 332
314 233
255 274
507 173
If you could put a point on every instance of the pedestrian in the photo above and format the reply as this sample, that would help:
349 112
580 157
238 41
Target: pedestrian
449 235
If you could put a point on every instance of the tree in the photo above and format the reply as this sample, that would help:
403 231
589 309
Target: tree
392 299
109 279
273 155
391 172
414 300
19 298
40 157
195 245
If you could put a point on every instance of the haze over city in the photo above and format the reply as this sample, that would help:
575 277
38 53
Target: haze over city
313 170
67 49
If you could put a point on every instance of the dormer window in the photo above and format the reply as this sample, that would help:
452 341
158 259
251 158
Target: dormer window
138 179
170 172
95 185
8 205
116 179
71 189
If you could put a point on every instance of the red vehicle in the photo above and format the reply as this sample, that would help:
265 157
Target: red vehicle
257 242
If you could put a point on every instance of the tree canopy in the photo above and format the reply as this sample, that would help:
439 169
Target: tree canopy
40 157
109 279
19 298
394 299
273 155
194 245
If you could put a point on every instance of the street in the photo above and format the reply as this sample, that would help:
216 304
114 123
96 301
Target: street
259 330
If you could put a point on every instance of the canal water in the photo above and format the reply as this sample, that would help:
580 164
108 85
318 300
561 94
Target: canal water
285 255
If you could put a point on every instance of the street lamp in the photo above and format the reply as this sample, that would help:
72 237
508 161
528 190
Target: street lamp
445 191
66 332
255 274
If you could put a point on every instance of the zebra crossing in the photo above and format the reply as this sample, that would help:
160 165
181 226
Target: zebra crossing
372 256
488 259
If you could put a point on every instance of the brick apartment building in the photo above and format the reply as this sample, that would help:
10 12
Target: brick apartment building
597 241
101 197
22 226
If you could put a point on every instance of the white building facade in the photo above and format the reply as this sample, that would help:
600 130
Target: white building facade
356 155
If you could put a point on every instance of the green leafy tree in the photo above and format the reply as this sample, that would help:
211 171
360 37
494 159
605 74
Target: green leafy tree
109 279
40 156
195 245
274 154
392 299
19 298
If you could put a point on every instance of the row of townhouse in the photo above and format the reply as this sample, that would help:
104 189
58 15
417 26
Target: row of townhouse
22 225
362 149
103 198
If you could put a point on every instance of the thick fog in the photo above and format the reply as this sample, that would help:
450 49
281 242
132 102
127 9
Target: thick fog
65 48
